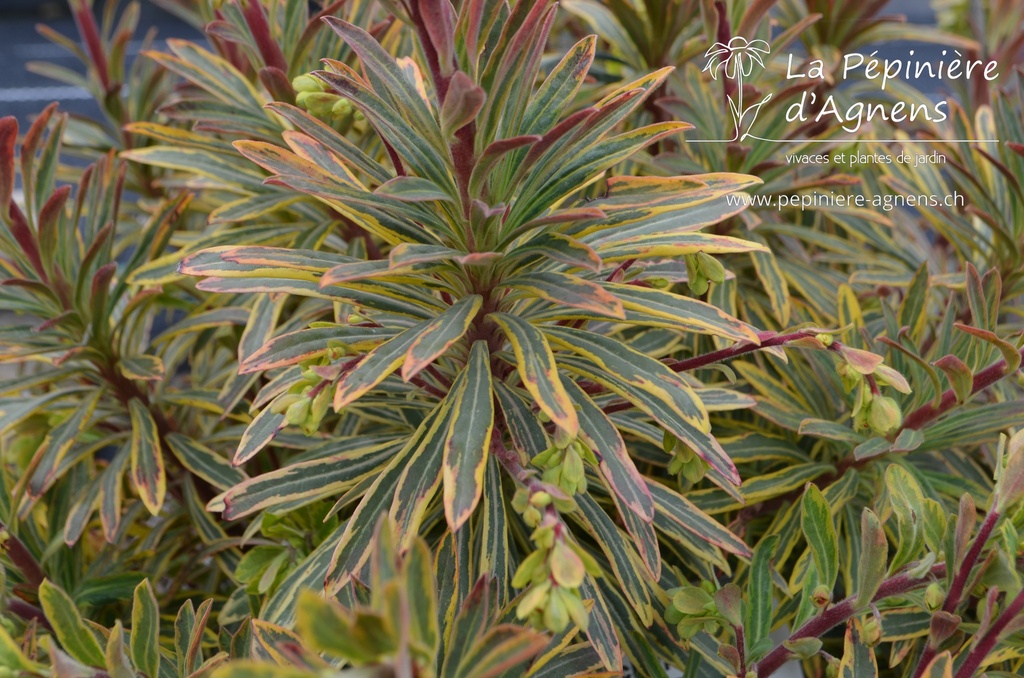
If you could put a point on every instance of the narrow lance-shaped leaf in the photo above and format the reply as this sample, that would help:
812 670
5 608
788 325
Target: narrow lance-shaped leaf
145 634
616 465
538 371
874 550
258 434
147 462
469 438
684 313
72 633
758 618
573 291
440 334
816 522
374 367
308 344
204 462
421 477
907 503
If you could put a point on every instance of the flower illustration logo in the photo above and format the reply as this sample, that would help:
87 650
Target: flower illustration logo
736 59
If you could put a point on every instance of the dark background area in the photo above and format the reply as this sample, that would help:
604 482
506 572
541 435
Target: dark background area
23 93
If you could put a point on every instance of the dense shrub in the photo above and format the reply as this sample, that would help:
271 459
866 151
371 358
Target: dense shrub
416 337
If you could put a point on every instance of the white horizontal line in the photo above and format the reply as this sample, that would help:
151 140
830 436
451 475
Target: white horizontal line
11 95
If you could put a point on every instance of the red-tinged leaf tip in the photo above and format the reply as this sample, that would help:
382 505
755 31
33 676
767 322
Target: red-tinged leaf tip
462 103
438 17
35 132
8 137
104 274
90 33
50 212
26 239
260 30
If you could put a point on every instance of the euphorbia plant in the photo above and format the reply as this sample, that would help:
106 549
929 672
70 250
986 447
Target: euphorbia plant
472 383
494 328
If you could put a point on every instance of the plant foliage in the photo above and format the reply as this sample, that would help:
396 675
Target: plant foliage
415 337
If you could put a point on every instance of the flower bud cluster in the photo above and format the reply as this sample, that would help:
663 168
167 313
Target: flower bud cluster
701 269
862 372
308 400
685 462
554 571
335 110
563 464
693 609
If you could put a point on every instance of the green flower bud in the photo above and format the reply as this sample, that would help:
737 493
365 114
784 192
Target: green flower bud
341 108
544 537
934 596
556 614
566 566
540 499
694 469
319 103
297 412
713 269
695 276
883 415
282 403
321 403
572 468
871 631
307 83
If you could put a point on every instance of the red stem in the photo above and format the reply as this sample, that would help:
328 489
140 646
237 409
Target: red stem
991 637
768 339
739 648
956 589
982 380
841 612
